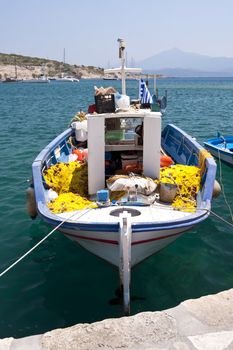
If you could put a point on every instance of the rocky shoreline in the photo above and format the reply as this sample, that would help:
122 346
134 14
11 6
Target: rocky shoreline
11 71
32 72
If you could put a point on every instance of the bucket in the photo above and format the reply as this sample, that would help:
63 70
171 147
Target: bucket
167 192
80 130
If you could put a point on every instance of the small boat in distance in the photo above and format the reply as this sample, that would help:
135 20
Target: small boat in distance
125 182
110 78
221 147
42 80
66 79
62 78
11 80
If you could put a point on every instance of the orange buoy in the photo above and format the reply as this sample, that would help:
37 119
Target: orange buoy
134 167
165 161
79 154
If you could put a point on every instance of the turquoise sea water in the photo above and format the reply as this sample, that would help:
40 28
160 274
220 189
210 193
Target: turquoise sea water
61 284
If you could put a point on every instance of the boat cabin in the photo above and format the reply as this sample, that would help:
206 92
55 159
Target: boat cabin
115 136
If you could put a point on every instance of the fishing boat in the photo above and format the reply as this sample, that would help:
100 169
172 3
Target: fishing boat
221 147
11 80
124 217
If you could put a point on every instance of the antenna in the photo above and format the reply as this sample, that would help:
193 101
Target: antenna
64 56
154 83
15 70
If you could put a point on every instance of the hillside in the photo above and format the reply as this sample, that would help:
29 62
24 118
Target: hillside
26 67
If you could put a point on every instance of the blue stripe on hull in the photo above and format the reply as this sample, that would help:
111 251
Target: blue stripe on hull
143 227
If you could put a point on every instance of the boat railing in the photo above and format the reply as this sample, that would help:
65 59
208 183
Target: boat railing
224 141
185 150
44 160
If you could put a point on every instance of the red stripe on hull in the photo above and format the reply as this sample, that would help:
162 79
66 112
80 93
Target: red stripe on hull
92 238
157 238
108 241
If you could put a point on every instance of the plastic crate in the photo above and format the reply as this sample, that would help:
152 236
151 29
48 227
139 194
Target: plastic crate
105 103
114 135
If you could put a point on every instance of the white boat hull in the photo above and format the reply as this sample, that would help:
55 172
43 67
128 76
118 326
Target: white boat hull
35 81
221 148
225 156
106 244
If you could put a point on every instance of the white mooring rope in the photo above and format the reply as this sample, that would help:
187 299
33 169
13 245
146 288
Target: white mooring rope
220 218
61 223
221 183
41 241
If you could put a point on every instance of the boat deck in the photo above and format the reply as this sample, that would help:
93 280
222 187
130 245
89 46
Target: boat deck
147 214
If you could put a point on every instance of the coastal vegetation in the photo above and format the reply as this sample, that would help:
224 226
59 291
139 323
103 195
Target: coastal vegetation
26 67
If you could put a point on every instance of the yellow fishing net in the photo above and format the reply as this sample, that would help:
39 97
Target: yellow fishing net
69 180
67 177
203 154
69 202
188 179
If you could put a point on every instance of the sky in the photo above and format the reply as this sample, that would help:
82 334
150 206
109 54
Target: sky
88 29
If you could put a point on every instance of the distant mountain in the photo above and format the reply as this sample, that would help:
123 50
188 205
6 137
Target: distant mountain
180 63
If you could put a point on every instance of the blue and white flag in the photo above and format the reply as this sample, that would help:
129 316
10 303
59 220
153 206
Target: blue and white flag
144 93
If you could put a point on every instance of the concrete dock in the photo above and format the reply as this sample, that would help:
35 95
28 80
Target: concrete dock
200 324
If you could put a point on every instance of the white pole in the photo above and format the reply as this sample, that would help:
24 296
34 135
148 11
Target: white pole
125 234
123 88
122 56
155 83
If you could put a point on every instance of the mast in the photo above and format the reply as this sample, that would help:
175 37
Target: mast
16 74
154 83
64 56
122 57
123 69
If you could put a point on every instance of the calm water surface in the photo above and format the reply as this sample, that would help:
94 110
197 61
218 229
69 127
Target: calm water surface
61 284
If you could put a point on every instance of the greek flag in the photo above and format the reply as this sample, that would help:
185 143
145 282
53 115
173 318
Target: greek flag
144 93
